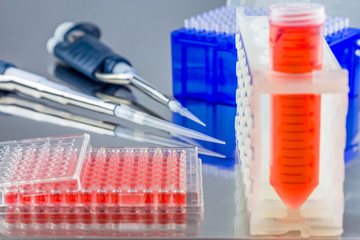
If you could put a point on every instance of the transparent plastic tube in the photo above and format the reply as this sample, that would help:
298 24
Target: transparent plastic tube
147 120
296 48
158 140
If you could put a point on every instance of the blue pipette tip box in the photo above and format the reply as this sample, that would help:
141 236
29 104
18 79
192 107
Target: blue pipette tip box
203 66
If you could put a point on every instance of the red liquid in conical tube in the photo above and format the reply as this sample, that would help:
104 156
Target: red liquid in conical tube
294 170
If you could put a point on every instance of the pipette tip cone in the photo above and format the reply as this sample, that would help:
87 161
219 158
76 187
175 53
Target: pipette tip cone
186 113
201 136
193 134
217 141
147 120
175 106
204 151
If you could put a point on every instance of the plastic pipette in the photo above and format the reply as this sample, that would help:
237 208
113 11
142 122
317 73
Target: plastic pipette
12 104
14 79
79 46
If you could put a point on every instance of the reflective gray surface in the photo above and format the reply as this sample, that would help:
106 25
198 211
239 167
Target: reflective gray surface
140 30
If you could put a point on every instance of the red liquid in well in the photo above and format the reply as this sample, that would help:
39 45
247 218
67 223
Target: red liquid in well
114 198
25 199
294 171
72 197
56 198
149 198
179 198
164 198
102 197
11 198
86 197
41 199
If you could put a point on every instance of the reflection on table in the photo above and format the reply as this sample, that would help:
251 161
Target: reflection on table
119 223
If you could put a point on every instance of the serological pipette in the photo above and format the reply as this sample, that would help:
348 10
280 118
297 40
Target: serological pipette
14 79
79 46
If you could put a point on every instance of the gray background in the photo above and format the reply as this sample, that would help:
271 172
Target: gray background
140 30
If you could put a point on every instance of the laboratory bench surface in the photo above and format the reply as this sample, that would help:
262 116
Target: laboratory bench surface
139 30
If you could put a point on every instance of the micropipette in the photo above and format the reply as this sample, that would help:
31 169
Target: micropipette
79 46
14 79
14 105
116 94
108 92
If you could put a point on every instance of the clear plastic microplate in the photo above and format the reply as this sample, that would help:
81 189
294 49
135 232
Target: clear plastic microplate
64 175
31 165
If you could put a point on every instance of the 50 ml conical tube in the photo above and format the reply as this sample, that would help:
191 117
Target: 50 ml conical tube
296 45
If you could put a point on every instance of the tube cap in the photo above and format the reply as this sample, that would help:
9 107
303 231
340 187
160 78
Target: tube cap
297 14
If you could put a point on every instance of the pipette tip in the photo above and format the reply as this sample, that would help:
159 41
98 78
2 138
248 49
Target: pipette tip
217 141
138 117
186 113
204 151
175 106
